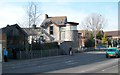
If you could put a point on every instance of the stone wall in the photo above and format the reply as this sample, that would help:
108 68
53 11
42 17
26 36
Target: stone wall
67 44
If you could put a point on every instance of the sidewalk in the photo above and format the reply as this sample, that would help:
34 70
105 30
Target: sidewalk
41 60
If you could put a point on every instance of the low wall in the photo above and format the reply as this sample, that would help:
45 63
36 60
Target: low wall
67 44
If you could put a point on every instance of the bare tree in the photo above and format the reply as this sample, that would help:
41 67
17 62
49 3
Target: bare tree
33 13
94 23
32 17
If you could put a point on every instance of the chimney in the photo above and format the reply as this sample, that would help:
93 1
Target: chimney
34 26
8 25
46 16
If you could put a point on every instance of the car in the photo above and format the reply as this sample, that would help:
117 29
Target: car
101 47
112 52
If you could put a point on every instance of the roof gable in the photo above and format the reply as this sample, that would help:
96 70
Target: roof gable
10 28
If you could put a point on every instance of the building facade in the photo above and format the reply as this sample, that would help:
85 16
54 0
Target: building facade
113 34
58 29
14 37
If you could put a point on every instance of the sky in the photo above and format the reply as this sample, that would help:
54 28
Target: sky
12 11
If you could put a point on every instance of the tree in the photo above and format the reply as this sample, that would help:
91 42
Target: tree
91 36
104 39
94 23
31 19
99 35
33 13
89 42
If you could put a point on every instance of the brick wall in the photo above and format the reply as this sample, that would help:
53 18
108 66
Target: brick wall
3 40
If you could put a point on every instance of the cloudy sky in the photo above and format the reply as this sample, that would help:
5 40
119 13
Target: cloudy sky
12 11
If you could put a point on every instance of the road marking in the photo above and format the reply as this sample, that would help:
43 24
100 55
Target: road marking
103 70
68 61
72 63
95 52
109 68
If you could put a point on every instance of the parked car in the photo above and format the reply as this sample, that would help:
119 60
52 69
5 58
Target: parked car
112 52
101 47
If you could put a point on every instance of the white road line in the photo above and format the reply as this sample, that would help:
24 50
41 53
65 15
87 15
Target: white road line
72 63
95 52
68 61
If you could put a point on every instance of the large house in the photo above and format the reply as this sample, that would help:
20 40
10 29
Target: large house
35 38
60 30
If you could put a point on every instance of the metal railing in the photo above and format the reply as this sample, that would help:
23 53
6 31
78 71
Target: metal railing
38 53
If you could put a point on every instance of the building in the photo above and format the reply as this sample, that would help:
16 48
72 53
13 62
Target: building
3 39
85 34
114 38
35 38
13 37
113 34
60 30
34 34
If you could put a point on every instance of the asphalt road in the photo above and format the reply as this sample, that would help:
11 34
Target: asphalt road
89 62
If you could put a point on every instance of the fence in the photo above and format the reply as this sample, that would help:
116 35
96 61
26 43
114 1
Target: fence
38 53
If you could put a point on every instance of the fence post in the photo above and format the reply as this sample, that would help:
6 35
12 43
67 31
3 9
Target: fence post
57 52
48 52
20 55
31 54
41 52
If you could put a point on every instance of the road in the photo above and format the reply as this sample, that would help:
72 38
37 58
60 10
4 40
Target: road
88 62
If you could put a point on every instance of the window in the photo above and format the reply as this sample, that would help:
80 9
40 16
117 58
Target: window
70 27
62 28
51 30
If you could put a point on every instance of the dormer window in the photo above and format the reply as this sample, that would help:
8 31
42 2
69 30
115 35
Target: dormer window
51 30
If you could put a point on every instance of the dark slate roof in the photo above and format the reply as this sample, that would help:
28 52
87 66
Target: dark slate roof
59 20
33 31
9 28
